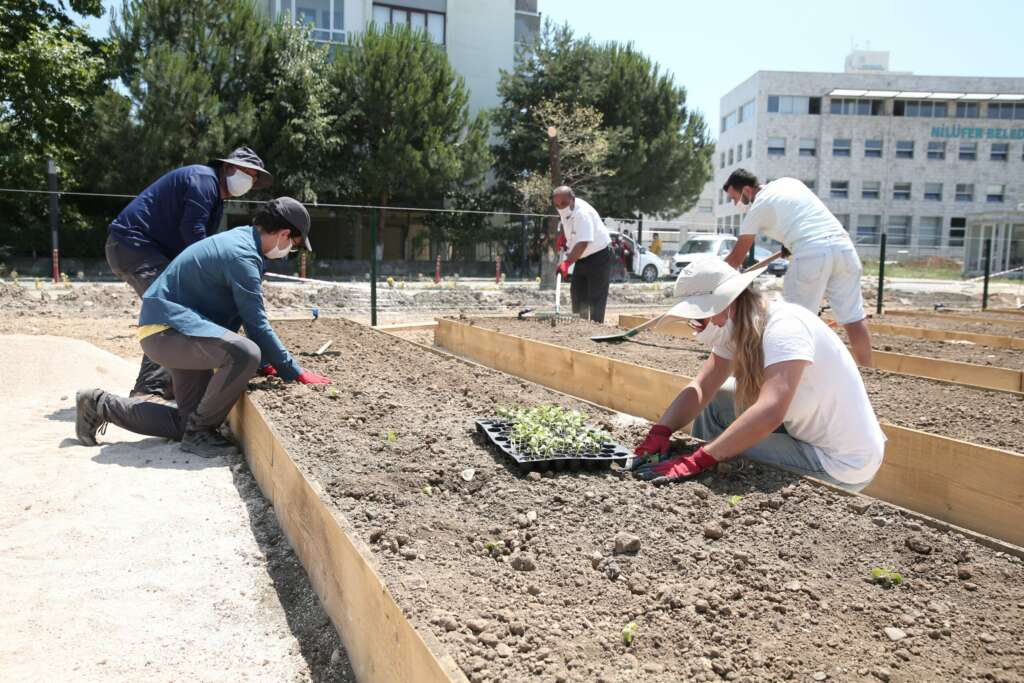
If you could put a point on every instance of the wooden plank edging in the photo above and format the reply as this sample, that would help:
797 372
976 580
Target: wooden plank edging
967 374
975 487
993 340
381 643
957 317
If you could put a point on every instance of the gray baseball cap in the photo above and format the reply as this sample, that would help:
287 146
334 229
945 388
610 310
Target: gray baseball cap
293 213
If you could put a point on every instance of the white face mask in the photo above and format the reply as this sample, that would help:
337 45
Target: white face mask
744 204
565 213
280 252
239 183
712 335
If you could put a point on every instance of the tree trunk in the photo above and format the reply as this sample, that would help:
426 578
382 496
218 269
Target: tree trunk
549 257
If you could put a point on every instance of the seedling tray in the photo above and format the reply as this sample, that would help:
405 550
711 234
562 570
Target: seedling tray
497 432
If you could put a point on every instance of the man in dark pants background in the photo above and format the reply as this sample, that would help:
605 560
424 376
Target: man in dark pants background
189 323
179 209
587 240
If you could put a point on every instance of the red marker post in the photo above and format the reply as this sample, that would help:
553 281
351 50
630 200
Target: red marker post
437 270
497 270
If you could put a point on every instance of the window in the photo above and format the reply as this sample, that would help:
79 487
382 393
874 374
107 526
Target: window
995 193
844 220
324 17
968 151
739 152
901 191
721 163
808 147
809 184
841 147
898 231
957 227
432 23
871 189
747 112
776 147
873 149
929 231
867 228
965 192
1006 110
933 192
968 110
904 149
937 149
1000 151
750 148
923 108
730 156
730 120
793 104
840 105
840 189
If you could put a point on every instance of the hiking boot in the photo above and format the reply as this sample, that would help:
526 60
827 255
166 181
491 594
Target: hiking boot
89 416
207 443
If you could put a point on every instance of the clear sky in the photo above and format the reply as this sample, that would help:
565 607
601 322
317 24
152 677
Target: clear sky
711 47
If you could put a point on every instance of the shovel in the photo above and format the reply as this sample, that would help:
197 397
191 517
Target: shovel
622 336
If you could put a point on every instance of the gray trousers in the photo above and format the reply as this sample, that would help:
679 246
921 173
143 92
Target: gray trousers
139 267
204 397
589 287
778 448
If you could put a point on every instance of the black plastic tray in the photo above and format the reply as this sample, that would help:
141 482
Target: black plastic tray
496 430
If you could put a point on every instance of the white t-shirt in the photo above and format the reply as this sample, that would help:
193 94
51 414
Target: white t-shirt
830 409
788 212
585 225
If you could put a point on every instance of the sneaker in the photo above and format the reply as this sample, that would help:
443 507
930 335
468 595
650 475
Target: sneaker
88 416
207 443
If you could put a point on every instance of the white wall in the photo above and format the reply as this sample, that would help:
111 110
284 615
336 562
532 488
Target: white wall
480 41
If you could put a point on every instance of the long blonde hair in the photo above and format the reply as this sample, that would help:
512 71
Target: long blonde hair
750 314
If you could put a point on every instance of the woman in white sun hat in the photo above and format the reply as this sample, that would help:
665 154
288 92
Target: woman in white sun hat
790 370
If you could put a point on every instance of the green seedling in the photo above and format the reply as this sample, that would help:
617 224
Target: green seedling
427 490
391 282
546 430
390 437
490 546
629 633
886 577
332 393
734 501
39 283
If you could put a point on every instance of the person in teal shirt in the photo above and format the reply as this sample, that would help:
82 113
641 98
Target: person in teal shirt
189 324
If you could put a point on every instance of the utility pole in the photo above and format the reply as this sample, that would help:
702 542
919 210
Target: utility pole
51 172
555 163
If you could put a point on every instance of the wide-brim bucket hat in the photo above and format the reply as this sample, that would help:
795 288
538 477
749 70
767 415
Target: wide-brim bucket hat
706 287
243 157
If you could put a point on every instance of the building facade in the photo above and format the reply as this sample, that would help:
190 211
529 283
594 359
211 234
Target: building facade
481 37
888 152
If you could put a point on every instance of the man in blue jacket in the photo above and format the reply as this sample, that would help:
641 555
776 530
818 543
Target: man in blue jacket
189 324
179 209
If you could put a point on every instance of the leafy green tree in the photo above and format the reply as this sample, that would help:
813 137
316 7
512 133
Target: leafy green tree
659 150
50 69
412 137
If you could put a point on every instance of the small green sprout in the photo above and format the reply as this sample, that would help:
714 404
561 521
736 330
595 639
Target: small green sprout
629 633
886 577
390 437
332 393
427 490
391 282
734 501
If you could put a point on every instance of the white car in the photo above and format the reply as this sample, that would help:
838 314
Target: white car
719 245
645 265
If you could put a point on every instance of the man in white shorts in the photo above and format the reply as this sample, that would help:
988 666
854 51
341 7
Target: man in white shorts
824 262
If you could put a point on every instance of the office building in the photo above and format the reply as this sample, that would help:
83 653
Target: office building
481 37
890 152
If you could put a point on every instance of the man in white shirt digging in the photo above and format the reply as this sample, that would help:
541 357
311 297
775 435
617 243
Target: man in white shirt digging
824 262
585 237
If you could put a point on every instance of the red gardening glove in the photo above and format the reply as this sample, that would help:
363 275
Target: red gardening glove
679 467
563 268
656 442
561 243
267 371
307 377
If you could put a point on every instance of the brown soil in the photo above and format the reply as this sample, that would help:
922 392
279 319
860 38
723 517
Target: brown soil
995 326
985 417
963 352
781 595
